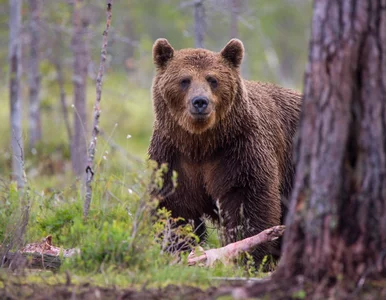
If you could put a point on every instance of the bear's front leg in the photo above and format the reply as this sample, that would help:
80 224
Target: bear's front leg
247 210
183 212
187 200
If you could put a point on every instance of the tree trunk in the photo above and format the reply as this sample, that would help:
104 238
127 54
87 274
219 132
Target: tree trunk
35 129
81 59
199 23
15 91
235 11
63 101
57 61
97 112
336 227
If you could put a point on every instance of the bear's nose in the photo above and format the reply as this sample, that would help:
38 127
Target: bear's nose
200 103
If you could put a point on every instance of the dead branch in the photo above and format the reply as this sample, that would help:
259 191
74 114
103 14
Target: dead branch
97 111
231 251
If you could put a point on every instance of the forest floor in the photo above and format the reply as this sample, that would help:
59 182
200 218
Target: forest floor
16 288
20 287
87 291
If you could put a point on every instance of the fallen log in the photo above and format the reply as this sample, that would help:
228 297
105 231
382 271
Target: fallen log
231 251
17 260
41 255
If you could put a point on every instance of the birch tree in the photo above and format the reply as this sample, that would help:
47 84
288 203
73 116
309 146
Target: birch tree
81 60
15 91
35 128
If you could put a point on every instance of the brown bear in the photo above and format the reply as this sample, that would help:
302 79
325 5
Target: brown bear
229 139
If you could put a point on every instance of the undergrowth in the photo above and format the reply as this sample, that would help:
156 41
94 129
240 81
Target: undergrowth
120 242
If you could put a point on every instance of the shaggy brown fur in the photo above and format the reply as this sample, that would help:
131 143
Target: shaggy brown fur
237 153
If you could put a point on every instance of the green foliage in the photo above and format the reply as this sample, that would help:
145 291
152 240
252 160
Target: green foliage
300 294
60 221
263 263
250 265
9 205
107 243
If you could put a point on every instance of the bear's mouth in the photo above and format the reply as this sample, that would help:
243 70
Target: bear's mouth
196 122
200 115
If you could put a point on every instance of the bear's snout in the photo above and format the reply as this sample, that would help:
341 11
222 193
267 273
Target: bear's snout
200 105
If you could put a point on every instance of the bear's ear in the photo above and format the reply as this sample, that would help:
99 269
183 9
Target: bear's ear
162 52
233 52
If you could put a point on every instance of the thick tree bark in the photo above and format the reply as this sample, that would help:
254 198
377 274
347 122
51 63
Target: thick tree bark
35 129
81 59
336 228
15 91
199 23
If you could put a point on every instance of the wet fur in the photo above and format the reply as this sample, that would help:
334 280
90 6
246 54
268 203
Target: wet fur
242 160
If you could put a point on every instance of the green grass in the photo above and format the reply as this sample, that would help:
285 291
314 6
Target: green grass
110 253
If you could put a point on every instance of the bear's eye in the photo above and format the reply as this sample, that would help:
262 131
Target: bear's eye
185 83
212 81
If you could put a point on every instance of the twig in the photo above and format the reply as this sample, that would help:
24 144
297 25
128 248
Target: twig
114 146
95 131
227 253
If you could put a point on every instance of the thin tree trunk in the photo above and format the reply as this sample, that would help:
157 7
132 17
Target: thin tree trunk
97 111
63 102
35 130
235 11
56 60
336 228
81 59
15 91
199 23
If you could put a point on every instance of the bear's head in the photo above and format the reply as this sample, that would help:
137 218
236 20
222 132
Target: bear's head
198 86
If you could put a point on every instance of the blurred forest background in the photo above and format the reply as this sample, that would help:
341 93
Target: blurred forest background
274 32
